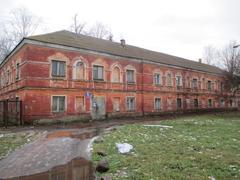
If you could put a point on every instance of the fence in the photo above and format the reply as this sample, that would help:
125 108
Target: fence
10 113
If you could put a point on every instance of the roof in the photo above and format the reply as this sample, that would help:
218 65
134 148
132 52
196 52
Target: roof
70 39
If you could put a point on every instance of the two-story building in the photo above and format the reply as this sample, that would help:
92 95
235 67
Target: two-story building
61 74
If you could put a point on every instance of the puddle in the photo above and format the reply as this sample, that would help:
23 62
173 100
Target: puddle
76 169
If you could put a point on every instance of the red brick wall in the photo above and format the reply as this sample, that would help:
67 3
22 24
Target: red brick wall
36 86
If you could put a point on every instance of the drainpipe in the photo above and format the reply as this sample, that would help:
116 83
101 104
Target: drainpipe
143 113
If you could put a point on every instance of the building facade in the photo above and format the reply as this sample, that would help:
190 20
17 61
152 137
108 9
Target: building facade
62 75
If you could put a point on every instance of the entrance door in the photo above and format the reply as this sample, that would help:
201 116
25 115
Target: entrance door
98 107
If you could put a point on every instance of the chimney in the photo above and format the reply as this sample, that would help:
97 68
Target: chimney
200 60
123 43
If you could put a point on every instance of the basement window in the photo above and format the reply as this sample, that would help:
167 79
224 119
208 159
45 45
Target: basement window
58 103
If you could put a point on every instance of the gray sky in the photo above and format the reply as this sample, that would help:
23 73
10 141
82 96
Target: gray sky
178 27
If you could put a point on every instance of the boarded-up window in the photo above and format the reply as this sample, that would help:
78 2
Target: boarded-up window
58 103
116 104
116 74
80 70
169 79
80 104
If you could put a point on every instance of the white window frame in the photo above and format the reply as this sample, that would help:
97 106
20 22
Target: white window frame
103 72
160 105
58 76
180 82
65 105
127 108
159 79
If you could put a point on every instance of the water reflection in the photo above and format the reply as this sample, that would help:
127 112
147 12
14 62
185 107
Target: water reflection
76 169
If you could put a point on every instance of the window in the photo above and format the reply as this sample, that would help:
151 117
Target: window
195 102
130 103
178 81
209 85
58 103
58 68
209 102
194 83
80 71
116 104
169 79
157 79
157 103
80 104
17 71
179 103
97 72
130 76
116 74
222 102
222 86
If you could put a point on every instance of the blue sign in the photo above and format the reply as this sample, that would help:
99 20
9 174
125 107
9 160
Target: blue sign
88 94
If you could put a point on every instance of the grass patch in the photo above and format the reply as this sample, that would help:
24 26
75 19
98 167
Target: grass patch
197 147
11 141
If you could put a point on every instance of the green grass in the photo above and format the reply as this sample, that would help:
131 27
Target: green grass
197 147
11 141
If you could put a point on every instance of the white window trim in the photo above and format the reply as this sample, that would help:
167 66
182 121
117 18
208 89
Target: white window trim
161 82
59 77
160 103
52 103
181 79
134 103
96 64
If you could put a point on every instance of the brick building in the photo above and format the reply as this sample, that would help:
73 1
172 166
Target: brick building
62 74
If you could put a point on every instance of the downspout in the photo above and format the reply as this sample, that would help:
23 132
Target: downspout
143 113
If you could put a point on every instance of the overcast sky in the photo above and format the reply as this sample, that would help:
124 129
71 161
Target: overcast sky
178 27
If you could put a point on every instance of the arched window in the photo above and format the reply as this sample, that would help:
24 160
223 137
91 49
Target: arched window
80 70
116 74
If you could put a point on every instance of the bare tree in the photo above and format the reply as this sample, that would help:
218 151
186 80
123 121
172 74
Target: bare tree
227 58
21 23
210 55
77 27
99 30
230 57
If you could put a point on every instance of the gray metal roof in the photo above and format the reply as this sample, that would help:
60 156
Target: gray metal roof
70 39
